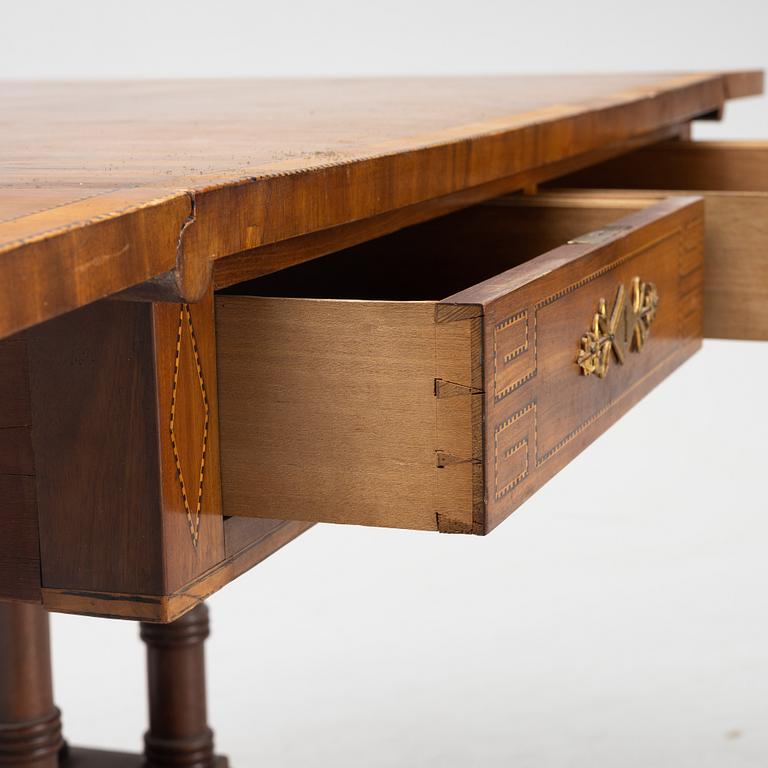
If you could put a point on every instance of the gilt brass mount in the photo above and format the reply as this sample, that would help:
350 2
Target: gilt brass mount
625 330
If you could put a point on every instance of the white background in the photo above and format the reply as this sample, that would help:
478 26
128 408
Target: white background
620 617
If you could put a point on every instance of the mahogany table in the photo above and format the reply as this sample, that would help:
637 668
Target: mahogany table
232 309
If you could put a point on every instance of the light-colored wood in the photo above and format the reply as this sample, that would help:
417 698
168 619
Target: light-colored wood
327 406
331 405
733 179
57 259
155 181
457 400
744 83
374 411
190 489
262 260
723 166
736 266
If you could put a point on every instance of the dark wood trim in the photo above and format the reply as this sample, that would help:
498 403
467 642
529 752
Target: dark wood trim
165 608
178 735
78 757
19 536
30 723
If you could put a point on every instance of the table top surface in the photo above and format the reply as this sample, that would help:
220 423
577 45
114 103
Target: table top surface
106 185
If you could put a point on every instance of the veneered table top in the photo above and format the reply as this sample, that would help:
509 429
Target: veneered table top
106 185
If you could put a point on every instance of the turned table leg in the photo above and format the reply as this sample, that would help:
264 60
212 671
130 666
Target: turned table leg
30 724
178 724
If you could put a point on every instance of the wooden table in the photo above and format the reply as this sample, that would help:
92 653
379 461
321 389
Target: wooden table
231 309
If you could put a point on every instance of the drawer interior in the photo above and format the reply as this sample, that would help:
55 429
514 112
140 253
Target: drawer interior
433 260
732 177
723 166
431 379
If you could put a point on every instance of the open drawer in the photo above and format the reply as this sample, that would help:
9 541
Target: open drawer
351 392
733 179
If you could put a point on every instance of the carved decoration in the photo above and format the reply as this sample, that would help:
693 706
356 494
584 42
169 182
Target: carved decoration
625 330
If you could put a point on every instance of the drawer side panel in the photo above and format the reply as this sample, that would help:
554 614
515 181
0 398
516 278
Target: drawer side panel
327 410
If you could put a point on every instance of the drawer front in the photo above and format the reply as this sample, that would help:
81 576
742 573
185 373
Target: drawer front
732 177
577 345
447 415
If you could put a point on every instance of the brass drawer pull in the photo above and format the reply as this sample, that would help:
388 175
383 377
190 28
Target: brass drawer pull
626 330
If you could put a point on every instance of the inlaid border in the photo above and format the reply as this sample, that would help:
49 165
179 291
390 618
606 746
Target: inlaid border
540 459
512 450
509 357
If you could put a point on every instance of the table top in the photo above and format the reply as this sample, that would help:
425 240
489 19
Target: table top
107 185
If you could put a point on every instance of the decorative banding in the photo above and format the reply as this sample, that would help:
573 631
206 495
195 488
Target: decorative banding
683 311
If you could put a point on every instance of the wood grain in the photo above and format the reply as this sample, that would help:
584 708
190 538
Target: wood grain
30 723
130 509
308 435
95 434
14 384
16 457
111 504
241 533
19 540
178 735
62 258
718 166
251 263
129 193
356 399
250 551
733 179
539 411
186 381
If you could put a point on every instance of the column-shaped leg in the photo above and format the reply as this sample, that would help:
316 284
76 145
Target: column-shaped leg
30 723
178 724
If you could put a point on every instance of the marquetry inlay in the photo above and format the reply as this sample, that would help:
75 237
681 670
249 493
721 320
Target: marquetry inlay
192 480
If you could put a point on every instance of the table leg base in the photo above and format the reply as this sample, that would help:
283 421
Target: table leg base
80 757
30 726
